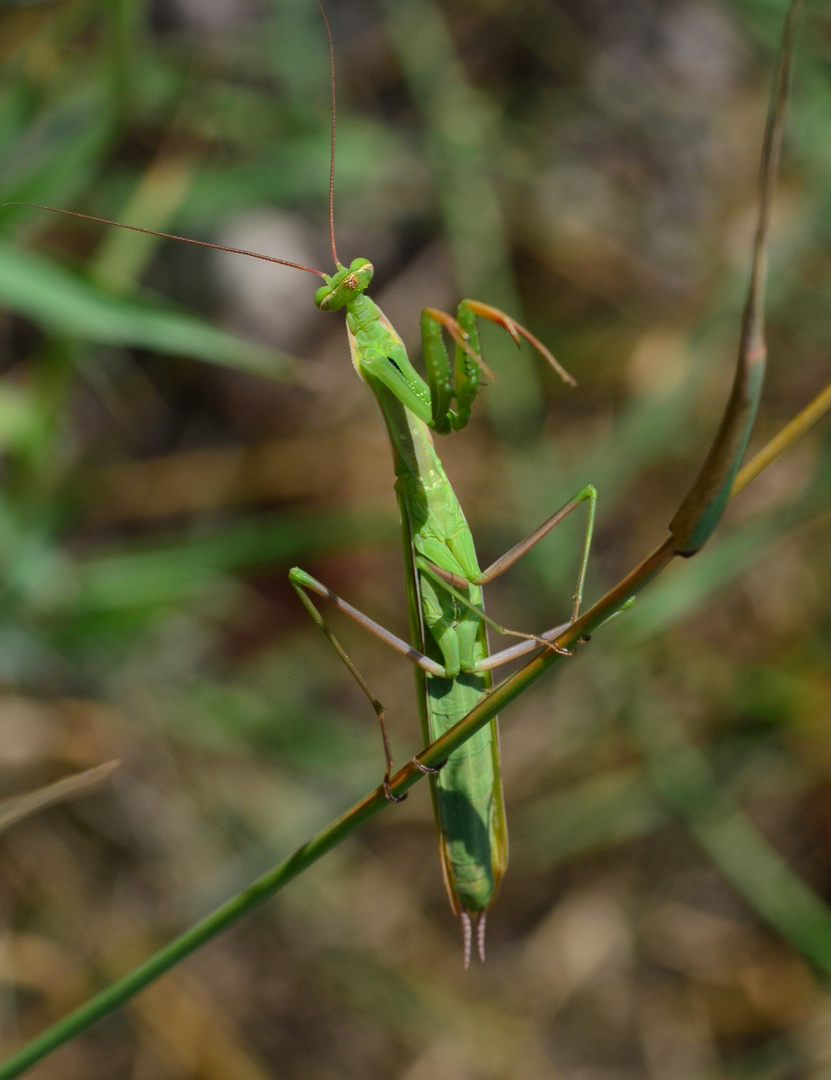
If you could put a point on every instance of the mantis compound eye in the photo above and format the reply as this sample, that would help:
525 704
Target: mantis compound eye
343 285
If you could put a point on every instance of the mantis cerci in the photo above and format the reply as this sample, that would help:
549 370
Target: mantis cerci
448 647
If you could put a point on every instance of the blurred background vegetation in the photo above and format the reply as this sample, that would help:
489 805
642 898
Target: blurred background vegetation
179 427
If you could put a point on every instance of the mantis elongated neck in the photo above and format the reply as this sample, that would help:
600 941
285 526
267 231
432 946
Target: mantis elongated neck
362 313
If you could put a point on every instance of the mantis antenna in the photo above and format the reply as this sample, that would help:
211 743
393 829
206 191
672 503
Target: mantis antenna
170 236
222 247
332 148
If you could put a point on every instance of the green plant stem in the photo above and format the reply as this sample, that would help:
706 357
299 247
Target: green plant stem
793 430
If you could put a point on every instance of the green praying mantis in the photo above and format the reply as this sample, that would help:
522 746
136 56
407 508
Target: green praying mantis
448 646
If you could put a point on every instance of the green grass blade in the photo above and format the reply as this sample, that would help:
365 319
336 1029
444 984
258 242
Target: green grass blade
64 303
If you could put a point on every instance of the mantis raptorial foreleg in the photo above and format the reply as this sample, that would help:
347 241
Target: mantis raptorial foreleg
463 382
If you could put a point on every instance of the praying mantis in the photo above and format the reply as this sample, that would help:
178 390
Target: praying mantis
448 647
448 625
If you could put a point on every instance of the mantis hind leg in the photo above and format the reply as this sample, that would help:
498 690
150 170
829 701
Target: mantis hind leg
454 584
303 584
588 494
447 581
300 582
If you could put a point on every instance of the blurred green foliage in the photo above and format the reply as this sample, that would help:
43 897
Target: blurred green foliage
588 165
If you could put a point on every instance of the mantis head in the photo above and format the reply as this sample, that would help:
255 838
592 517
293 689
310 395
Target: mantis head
343 285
